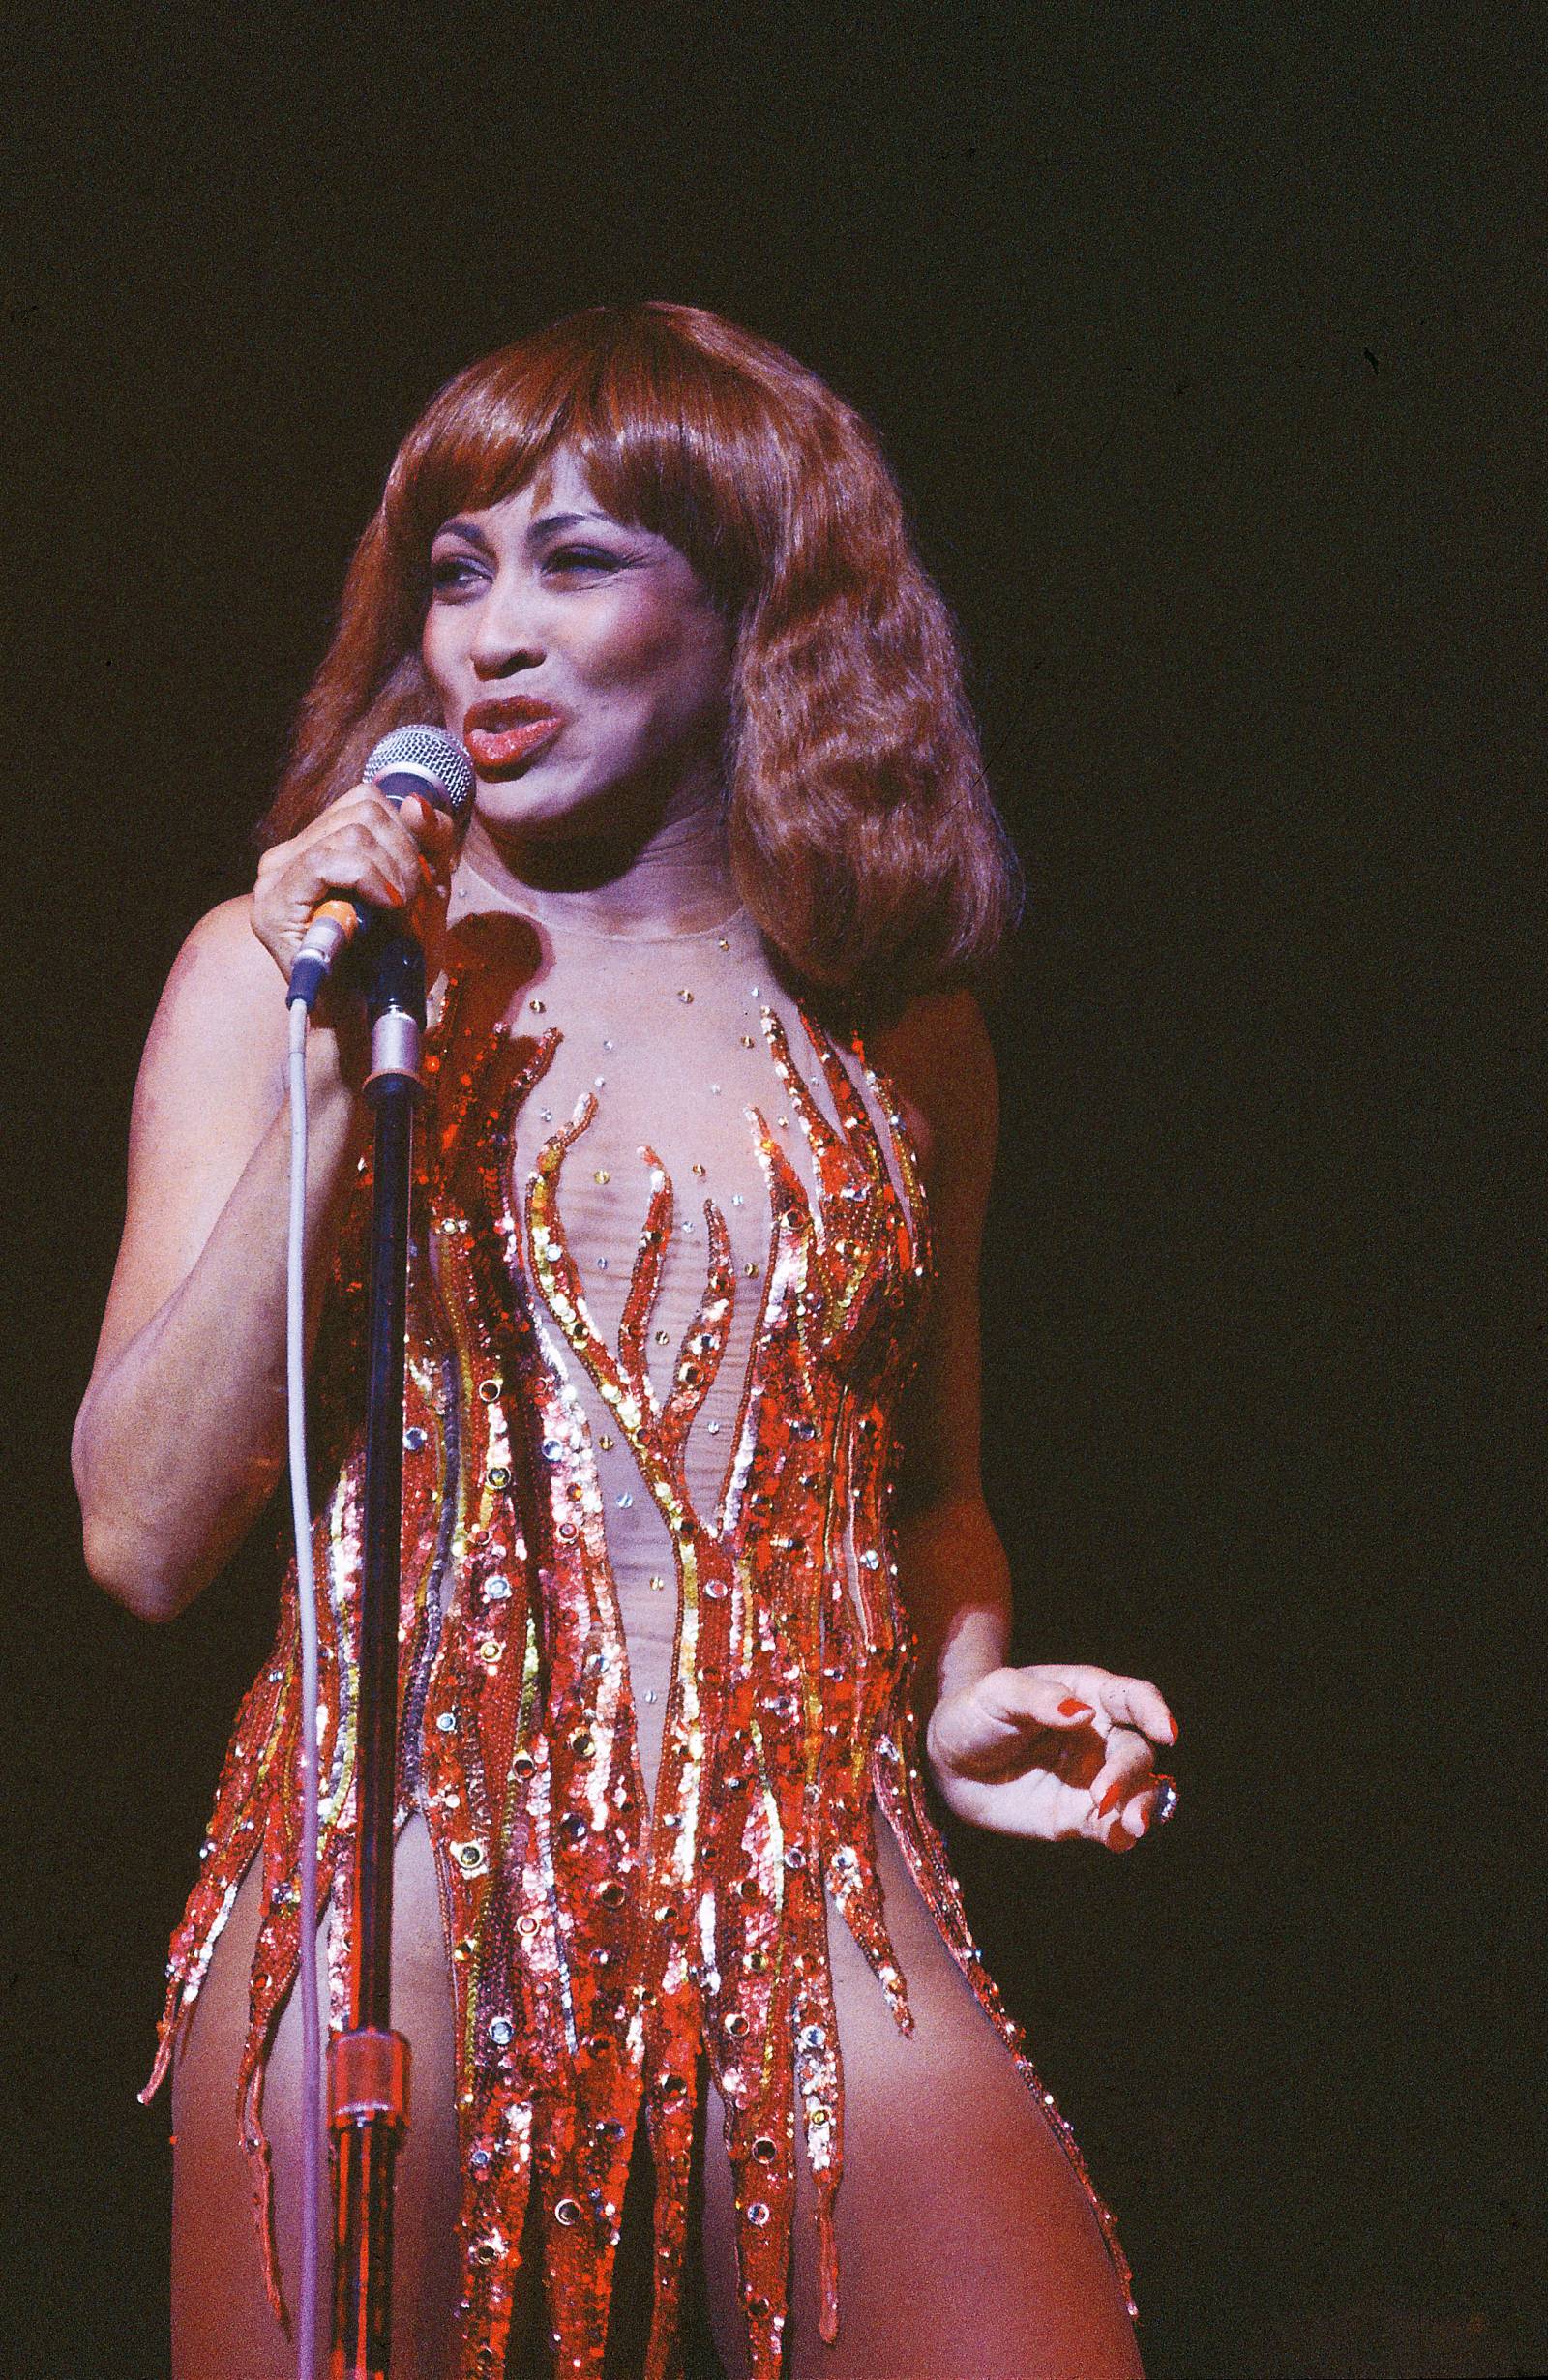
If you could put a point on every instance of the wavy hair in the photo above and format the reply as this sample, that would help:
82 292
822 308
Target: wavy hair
862 836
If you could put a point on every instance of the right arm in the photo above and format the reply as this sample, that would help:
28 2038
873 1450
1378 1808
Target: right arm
182 1432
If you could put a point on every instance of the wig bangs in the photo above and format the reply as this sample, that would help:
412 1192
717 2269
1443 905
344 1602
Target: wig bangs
669 437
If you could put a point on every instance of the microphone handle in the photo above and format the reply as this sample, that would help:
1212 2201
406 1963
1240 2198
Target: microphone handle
338 920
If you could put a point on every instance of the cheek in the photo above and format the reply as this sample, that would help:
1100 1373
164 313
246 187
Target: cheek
437 650
638 650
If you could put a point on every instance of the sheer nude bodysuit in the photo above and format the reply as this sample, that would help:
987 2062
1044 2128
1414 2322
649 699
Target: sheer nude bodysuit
967 2243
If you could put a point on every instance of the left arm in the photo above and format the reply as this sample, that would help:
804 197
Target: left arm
1049 1751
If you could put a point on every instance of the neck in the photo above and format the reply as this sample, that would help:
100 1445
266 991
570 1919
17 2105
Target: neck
671 877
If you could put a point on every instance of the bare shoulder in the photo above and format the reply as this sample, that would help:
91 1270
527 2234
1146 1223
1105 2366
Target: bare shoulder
214 1060
222 1002
938 1058
221 970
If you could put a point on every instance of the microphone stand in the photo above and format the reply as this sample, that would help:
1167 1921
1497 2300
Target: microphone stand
368 2065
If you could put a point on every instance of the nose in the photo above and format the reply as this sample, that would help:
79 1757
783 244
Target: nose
506 637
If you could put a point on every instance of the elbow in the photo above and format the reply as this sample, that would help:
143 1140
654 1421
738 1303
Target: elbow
127 1568
123 1556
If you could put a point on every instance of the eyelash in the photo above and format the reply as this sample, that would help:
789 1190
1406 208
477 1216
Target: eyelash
456 570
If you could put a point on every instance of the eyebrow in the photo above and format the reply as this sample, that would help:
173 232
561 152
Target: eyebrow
474 536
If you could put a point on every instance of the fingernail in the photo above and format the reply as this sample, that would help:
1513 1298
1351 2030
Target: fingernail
1113 1794
1070 1708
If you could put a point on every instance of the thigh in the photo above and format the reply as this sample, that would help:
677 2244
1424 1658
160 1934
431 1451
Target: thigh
967 2242
222 2322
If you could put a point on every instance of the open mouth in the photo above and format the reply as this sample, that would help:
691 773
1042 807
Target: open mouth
499 735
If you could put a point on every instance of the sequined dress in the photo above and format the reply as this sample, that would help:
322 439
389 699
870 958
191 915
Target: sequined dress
654 1668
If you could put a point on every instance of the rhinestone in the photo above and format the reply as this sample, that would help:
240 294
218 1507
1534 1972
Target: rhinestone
538 1007
568 2213
819 2118
812 2036
479 2159
602 1263
607 1045
498 1475
763 2149
751 1270
712 1429
490 1389
625 1500
758 2213
662 1337
582 1745
748 1043
612 1893
498 1589
722 943
672 2089
414 1439
574 1828
501 2030
685 996
698 1171
715 1088
796 1857
566 1530
602 1175
607 1442
737 1199
736 2027
597 1081
446 1721
758 2308
658 1585
470 1858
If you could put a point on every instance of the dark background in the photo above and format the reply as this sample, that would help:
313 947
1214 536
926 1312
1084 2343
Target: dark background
1207 343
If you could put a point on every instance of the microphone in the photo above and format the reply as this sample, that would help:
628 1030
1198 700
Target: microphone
422 760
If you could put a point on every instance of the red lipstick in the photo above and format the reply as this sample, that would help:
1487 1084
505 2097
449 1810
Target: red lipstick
501 733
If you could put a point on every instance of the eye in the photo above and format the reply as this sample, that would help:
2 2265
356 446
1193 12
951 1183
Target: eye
582 558
452 572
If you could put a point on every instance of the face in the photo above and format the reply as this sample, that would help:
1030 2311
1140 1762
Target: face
580 659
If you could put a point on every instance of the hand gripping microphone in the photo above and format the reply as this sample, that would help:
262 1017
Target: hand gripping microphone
421 760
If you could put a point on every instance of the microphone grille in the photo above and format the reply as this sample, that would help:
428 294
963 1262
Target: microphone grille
431 750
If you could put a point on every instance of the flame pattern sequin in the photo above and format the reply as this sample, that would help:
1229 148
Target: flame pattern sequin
604 1955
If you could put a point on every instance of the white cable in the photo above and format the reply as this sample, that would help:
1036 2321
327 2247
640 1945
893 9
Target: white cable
306 1602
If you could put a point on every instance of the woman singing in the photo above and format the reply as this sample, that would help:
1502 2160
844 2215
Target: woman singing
701 1603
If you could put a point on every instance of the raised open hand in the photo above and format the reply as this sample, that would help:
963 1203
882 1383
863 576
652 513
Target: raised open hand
1053 1751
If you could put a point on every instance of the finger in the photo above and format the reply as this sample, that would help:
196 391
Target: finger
1029 1697
432 829
1125 1769
1134 1701
1150 1809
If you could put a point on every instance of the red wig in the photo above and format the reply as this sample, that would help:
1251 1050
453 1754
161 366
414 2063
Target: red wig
861 833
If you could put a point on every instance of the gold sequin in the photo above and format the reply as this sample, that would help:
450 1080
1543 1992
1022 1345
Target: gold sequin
579 1934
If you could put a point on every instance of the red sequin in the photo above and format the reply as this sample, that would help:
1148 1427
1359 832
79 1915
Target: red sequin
598 1959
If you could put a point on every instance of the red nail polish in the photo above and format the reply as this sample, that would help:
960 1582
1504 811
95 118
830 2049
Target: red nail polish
1112 1795
1070 1708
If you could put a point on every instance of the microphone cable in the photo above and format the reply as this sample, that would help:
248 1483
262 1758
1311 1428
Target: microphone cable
307 1602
